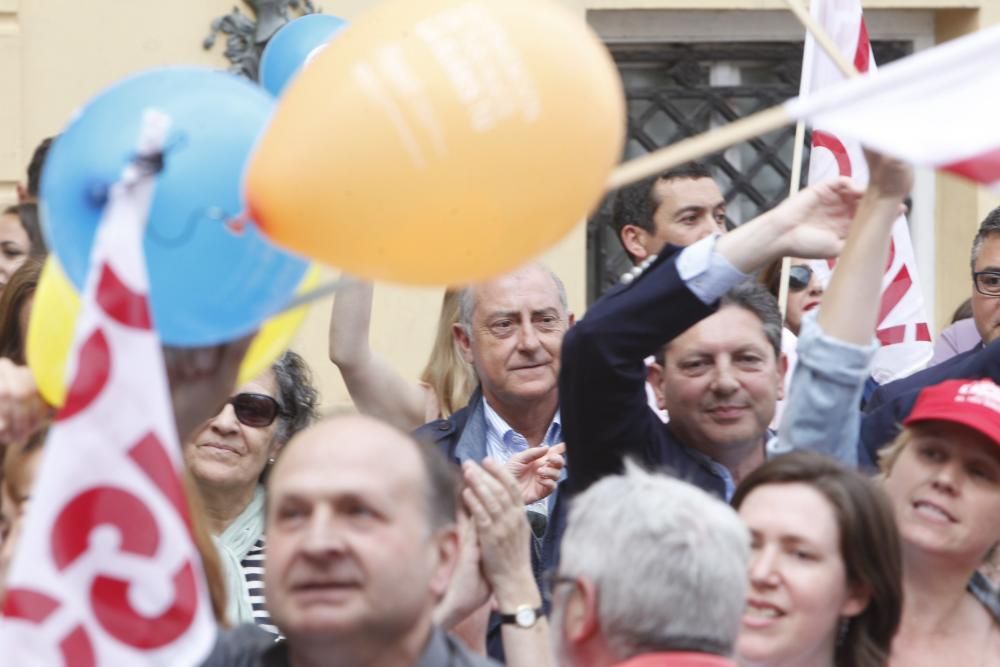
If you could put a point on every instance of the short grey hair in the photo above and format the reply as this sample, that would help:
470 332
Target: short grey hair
989 227
467 297
754 297
669 563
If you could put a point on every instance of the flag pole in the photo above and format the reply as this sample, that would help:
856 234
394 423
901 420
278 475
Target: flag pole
793 187
692 148
846 68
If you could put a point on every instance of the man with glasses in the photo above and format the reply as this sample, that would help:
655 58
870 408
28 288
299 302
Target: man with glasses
892 402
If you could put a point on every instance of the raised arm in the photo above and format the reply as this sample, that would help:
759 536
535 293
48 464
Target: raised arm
602 385
376 388
834 352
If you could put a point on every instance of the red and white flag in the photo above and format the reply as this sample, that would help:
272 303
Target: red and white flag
106 571
836 151
932 109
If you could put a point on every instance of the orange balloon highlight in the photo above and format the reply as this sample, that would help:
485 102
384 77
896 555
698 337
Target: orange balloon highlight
441 141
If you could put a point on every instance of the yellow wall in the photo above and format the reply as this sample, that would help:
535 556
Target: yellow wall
55 54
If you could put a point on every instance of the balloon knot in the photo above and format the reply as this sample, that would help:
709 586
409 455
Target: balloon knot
237 225
149 163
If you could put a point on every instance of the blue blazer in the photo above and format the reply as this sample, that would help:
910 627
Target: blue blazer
602 395
892 402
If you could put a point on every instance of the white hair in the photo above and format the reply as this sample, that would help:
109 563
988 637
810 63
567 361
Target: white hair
467 297
669 563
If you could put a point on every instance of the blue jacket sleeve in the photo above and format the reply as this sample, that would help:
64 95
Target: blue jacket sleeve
602 397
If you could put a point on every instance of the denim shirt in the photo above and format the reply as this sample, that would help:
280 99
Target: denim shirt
503 442
822 412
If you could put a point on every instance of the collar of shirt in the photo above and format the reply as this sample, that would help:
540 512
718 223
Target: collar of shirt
502 441
677 659
770 449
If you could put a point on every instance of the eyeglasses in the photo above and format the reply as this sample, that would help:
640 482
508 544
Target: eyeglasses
987 282
256 410
799 276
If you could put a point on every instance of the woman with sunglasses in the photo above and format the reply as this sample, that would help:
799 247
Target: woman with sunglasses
805 291
228 458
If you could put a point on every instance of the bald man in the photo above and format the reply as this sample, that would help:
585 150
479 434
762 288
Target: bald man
361 544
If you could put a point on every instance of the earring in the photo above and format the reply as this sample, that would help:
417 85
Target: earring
845 625
270 461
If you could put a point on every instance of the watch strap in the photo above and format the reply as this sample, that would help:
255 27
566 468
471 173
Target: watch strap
511 619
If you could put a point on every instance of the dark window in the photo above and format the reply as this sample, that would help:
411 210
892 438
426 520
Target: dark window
675 91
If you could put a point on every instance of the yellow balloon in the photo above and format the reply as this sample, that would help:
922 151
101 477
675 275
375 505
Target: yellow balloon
441 141
53 321
50 331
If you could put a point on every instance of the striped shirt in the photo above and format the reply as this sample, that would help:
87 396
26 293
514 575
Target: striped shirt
253 571
503 442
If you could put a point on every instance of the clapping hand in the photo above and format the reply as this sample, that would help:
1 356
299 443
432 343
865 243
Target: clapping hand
536 471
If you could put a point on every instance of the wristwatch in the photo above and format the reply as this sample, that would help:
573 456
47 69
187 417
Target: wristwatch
525 616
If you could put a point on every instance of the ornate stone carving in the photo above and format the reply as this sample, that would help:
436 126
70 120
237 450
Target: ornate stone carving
246 36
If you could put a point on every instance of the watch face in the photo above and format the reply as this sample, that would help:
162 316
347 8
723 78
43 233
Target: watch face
525 617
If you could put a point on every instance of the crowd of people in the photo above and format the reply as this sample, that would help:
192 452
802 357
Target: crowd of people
617 490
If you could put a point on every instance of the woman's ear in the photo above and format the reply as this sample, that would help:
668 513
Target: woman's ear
857 601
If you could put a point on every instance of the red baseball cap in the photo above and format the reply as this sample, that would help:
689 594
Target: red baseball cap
973 403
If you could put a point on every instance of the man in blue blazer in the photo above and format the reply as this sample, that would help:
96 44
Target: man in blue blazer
892 402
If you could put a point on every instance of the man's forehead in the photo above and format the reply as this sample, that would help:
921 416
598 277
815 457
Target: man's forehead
681 192
989 253
329 456
528 289
731 328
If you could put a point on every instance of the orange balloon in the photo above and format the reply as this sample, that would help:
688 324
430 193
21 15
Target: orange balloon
441 141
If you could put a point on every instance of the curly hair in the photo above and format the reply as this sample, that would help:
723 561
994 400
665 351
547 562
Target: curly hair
296 395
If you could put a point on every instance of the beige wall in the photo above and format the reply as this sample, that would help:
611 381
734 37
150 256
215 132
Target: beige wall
55 54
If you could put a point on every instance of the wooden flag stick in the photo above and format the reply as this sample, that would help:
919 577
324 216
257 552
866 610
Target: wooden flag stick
793 187
847 69
699 145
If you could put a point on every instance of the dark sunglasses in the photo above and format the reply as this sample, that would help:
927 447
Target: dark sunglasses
257 410
799 276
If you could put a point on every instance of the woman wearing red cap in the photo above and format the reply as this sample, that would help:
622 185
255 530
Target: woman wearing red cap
942 473
943 476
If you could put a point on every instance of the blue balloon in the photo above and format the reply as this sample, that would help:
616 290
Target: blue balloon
212 277
294 44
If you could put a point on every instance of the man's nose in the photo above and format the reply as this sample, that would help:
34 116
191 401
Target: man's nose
322 535
708 225
723 380
528 338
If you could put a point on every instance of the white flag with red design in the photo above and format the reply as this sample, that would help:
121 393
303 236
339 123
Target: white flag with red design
106 572
902 320
933 109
